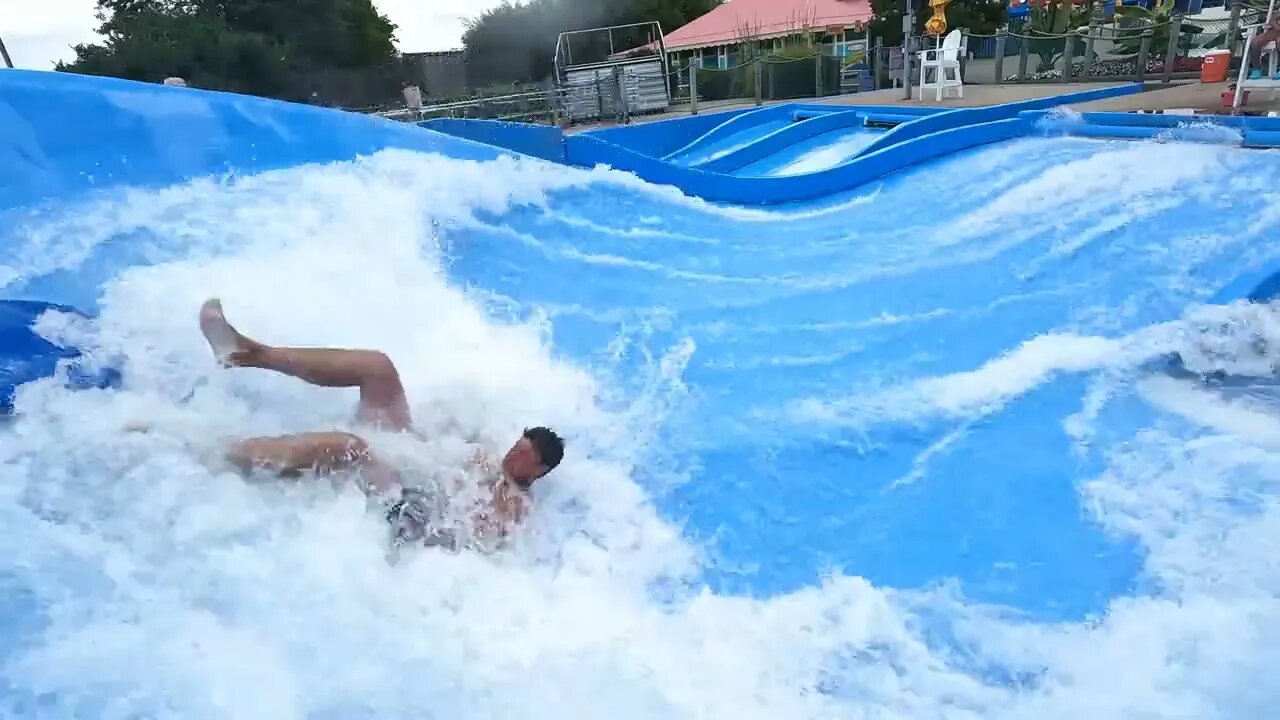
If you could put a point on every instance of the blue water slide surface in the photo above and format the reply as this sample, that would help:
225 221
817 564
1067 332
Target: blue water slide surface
891 431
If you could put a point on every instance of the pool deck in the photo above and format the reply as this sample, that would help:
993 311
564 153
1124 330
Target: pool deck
974 95
1202 98
1190 96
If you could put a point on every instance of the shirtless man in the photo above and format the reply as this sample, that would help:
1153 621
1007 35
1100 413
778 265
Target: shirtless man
382 404
1268 33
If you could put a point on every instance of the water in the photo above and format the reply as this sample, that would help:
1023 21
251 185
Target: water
734 141
814 154
891 455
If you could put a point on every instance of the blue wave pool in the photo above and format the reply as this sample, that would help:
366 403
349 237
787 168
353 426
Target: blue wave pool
901 452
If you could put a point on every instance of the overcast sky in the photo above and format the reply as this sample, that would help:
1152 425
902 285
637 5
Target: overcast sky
38 33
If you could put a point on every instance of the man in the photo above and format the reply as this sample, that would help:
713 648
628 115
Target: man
504 494
1268 33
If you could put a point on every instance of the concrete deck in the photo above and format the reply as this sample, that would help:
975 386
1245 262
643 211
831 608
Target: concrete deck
974 95
1203 98
1200 97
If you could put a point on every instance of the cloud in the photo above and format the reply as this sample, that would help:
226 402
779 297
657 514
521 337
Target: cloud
38 33
432 24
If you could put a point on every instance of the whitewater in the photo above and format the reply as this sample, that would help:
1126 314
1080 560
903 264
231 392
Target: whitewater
906 452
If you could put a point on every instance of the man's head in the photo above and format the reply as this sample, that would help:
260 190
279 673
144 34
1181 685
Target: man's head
537 452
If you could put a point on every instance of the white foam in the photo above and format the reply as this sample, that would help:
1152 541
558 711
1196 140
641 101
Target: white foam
987 388
1100 185
168 587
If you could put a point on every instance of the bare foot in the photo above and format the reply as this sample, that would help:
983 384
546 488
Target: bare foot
230 348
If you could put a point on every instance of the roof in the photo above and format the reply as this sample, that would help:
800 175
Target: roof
733 19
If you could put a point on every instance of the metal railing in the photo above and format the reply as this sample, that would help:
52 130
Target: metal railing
535 106
1163 51
1100 52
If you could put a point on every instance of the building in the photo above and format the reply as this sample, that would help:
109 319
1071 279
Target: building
713 39
441 75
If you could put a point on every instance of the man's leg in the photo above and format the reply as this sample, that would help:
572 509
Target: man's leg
1265 35
382 399
322 452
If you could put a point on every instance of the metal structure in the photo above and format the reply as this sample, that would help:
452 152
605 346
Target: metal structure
1268 81
618 85
541 106
4 55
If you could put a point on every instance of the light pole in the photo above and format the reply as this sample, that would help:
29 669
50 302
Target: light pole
908 24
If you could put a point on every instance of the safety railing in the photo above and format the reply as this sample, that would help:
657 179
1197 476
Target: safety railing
541 106
1163 51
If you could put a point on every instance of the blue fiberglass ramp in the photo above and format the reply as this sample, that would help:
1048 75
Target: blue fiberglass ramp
820 152
904 452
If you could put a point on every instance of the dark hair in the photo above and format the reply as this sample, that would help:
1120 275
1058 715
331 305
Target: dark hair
550 446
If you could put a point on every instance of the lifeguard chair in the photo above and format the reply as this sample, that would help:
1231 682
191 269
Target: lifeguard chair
1267 82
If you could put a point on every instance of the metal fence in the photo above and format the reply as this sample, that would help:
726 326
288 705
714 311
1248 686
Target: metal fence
1164 51
539 106
618 91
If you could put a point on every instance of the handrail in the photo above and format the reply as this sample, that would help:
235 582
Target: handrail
538 95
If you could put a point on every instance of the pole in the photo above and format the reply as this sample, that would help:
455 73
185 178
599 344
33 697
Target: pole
908 24
4 54
1171 53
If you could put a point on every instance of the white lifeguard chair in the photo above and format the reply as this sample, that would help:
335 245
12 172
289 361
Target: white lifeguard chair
1269 52
944 61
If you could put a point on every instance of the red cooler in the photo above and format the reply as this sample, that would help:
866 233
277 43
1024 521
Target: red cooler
1216 66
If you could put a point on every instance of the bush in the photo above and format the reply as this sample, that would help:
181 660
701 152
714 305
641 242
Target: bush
1115 68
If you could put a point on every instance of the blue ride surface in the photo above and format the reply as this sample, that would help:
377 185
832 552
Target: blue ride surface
905 450
25 356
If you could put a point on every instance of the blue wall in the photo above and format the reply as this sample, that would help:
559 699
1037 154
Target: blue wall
632 148
967 116
790 135
1263 132
587 150
661 137
540 141
732 125
55 126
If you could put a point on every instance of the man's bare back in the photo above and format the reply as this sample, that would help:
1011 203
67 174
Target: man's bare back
382 405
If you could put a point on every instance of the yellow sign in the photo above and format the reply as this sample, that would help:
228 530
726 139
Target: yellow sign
937 23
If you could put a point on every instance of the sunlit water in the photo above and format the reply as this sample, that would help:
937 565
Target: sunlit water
895 455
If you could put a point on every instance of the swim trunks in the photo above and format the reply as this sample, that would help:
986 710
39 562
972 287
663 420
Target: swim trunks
419 516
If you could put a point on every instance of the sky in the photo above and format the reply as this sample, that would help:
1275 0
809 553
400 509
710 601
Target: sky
38 33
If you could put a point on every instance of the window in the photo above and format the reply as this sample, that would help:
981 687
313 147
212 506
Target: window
716 58
847 44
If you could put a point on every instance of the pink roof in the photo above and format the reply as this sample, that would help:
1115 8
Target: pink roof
725 24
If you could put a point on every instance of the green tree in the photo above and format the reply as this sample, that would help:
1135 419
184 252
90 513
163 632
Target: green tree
338 51
515 42
1158 18
977 16
1059 18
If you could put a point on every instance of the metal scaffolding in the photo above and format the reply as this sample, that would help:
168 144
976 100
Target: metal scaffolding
609 80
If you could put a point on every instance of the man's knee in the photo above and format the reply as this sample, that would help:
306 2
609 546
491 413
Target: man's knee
382 398
378 365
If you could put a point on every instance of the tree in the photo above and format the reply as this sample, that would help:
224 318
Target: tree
978 16
340 51
516 42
